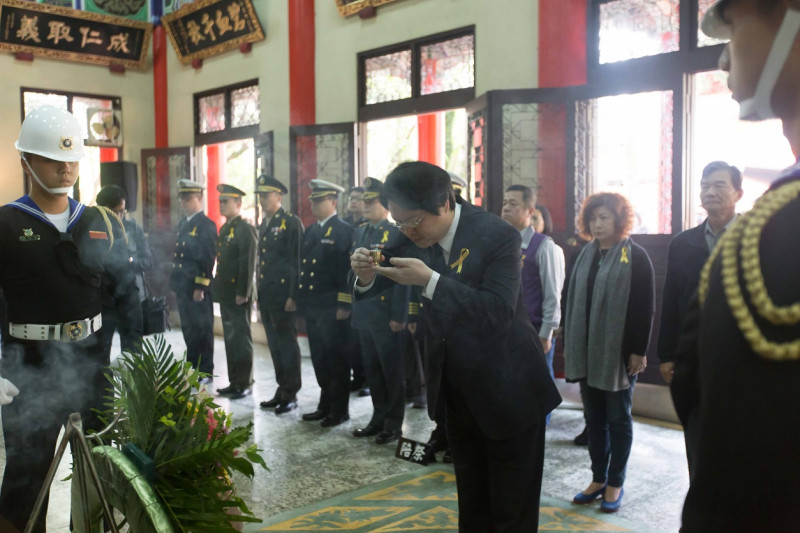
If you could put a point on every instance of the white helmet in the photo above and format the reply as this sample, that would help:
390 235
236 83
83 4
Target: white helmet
52 133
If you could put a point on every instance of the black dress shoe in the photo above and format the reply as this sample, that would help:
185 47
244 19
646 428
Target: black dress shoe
269 404
239 394
314 416
364 391
385 437
369 431
582 439
356 384
448 456
331 420
438 444
285 407
227 391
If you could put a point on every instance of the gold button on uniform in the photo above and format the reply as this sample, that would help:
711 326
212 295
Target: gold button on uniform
312 274
300 286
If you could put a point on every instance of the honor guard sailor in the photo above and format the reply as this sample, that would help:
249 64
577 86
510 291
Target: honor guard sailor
55 253
280 238
192 267
234 289
324 299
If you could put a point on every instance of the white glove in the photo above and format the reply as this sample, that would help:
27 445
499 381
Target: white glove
7 391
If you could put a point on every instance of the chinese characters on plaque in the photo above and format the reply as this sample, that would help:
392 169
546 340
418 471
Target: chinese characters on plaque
64 33
351 7
209 27
414 452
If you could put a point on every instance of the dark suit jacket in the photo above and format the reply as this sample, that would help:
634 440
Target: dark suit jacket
195 254
478 332
688 252
280 239
747 415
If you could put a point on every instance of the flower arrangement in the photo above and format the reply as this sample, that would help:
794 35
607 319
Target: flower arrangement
182 439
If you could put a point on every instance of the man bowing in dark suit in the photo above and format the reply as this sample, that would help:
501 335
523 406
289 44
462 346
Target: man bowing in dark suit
485 360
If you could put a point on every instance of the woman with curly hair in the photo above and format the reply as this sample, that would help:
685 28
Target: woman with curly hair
609 316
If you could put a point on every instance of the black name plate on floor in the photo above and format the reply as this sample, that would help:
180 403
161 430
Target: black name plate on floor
414 452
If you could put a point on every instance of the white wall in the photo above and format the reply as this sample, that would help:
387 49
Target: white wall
134 87
505 41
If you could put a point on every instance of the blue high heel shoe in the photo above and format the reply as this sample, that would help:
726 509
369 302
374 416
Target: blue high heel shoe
582 498
612 507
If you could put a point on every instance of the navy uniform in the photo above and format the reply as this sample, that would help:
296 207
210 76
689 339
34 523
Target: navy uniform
322 290
280 239
236 261
192 269
381 348
51 274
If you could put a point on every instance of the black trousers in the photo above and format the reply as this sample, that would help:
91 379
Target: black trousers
384 364
327 338
282 339
238 343
197 325
499 481
54 380
354 355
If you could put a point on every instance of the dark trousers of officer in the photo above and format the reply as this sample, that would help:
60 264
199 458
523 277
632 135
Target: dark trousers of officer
282 339
355 357
54 380
384 368
238 343
197 325
415 375
128 342
499 481
327 339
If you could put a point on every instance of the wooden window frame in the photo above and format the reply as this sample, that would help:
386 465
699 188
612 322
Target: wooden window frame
229 133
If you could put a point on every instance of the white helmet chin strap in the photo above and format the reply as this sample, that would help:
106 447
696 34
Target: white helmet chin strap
759 106
51 190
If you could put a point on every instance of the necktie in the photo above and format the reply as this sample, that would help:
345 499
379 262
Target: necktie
438 259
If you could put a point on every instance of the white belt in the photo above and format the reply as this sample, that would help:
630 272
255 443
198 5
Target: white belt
74 331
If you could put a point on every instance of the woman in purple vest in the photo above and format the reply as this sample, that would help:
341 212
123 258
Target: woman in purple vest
609 317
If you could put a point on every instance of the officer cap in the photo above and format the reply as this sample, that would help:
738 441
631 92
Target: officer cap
229 191
266 183
322 188
190 186
372 188
457 182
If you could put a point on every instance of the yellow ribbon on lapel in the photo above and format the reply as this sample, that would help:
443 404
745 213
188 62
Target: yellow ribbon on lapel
328 233
385 236
283 223
460 261
230 235
624 258
193 233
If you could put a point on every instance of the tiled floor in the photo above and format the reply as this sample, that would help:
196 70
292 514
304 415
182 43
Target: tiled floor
309 463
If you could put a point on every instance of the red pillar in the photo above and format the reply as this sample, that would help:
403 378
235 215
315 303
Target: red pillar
429 132
216 170
109 155
562 62
302 54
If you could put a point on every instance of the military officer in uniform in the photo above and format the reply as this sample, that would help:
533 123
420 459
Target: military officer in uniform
192 269
457 182
324 299
738 364
234 290
54 253
380 321
280 238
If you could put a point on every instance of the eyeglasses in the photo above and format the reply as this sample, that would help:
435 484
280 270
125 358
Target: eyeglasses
413 224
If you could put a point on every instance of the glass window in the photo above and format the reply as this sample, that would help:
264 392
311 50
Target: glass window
702 38
245 106
758 149
212 113
638 28
631 154
390 142
388 77
31 100
447 65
